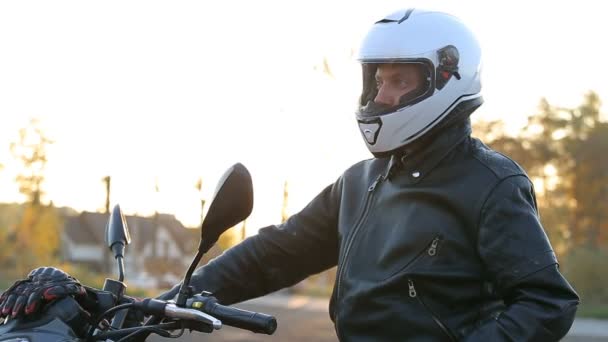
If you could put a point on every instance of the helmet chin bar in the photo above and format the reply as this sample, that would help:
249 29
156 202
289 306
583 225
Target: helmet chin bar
457 115
370 130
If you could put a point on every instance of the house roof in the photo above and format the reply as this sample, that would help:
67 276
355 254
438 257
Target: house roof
89 228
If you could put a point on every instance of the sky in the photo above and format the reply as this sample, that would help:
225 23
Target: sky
165 92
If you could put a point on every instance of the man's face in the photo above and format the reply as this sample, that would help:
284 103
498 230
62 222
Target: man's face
395 80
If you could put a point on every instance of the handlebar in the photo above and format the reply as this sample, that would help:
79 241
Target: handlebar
249 320
170 310
201 312
205 308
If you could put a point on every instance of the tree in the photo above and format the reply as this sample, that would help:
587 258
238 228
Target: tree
534 150
30 150
36 237
563 150
586 172
572 141
542 138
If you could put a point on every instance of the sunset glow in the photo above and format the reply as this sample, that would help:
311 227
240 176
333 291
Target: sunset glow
150 91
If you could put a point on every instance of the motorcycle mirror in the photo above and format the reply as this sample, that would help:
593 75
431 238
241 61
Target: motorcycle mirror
232 203
117 232
118 237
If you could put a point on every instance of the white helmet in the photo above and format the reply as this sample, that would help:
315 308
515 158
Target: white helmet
450 59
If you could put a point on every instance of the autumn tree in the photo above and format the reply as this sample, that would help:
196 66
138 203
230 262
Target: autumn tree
584 171
563 150
36 237
568 145
30 151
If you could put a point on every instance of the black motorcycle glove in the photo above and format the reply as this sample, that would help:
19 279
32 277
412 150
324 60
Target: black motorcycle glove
43 284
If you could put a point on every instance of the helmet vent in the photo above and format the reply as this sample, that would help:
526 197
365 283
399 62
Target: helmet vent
404 18
407 15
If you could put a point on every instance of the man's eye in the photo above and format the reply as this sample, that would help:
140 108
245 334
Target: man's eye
402 84
378 84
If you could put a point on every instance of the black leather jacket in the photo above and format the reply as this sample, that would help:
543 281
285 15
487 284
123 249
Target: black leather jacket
442 244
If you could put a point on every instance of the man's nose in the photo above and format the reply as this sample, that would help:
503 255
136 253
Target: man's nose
384 97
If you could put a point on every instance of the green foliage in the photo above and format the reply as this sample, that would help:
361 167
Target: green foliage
590 310
29 237
37 238
5 282
585 269
9 219
142 293
96 280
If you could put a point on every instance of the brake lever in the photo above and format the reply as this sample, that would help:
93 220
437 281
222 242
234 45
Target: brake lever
173 311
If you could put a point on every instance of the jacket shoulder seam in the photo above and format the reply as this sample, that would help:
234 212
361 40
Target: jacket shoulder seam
485 200
516 172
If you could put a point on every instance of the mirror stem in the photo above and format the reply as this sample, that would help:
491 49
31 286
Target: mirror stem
184 289
121 267
119 250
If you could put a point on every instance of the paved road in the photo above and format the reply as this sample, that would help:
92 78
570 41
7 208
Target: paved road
295 325
306 320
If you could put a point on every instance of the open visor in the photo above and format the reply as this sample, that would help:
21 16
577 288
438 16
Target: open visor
388 86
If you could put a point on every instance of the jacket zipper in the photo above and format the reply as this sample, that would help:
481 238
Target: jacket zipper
358 225
433 248
370 192
414 294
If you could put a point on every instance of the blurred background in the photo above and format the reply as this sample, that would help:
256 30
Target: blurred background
146 103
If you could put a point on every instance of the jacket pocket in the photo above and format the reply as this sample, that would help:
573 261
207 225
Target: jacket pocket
430 250
414 294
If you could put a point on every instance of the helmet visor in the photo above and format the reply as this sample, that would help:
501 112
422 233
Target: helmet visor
390 86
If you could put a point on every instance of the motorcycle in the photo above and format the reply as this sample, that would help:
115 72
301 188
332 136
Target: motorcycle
111 315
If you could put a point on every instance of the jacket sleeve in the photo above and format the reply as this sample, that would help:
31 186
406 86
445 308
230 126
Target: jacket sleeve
519 260
278 256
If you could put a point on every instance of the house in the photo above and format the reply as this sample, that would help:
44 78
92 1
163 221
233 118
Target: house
158 256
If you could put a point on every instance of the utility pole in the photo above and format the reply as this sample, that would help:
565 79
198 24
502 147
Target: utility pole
284 212
107 180
107 257
199 187
155 236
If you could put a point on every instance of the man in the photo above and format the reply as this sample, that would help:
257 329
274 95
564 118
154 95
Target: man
437 237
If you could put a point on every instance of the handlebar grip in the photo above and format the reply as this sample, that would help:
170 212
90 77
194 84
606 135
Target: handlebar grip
253 321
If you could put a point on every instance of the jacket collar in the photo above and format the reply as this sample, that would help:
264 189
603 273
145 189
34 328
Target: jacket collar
417 160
